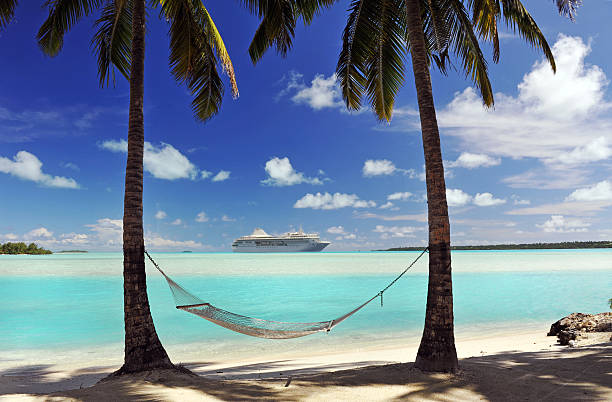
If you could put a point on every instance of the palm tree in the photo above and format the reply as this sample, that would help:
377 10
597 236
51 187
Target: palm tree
376 39
119 43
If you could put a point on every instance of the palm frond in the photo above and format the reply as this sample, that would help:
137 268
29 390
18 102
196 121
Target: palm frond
112 42
7 11
195 45
385 63
63 14
485 14
356 46
518 18
568 8
277 28
465 46
278 22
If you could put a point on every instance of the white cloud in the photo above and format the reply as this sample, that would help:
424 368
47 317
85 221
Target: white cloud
487 200
471 161
560 224
387 205
459 198
281 173
163 161
542 120
601 191
201 217
456 197
156 241
336 230
395 231
176 222
597 150
399 196
39 233
320 94
519 201
160 215
108 232
205 174
329 201
378 167
27 166
222 175
226 218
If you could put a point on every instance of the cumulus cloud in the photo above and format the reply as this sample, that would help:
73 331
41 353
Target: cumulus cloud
226 218
472 161
387 205
601 191
332 201
395 231
322 92
400 196
177 222
201 217
336 230
457 198
39 233
156 241
560 224
487 200
27 166
597 150
108 232
281 173
163 161
205 174
222 176
160 215
378 167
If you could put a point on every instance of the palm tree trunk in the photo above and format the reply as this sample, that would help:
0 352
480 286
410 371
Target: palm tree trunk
143 350
437 350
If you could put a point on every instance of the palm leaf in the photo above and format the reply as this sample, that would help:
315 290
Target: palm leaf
63 14
195 45
356 46
518 18
278 22
465 46
568 8
385 63
485 14
112 42
7 11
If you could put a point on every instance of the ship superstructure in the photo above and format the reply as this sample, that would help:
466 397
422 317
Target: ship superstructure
261 242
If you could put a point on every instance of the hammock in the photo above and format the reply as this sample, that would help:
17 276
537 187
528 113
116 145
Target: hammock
256 326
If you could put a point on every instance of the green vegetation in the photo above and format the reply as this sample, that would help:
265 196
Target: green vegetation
527 246
22 248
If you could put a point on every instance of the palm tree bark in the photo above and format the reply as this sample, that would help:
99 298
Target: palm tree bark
437 350
143 350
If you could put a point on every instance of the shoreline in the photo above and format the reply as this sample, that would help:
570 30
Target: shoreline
36 374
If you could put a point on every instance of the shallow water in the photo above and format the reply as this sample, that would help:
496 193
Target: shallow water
75 300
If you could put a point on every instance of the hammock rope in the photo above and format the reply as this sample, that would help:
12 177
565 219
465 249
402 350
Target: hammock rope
186 301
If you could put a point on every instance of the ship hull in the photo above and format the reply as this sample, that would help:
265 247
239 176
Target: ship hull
290 248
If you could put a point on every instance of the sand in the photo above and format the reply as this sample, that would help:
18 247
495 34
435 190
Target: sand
523 365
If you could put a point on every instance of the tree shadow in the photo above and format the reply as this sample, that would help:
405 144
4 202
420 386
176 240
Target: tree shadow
562 374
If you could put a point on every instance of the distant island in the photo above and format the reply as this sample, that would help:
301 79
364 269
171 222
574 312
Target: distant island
22 248
526 246
70 251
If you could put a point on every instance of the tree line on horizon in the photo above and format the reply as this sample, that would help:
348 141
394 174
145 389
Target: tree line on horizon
22 248
378 37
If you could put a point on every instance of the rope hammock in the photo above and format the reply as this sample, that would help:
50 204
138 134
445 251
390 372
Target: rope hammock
256 326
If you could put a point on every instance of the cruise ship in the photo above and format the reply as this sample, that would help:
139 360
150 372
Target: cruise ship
261 242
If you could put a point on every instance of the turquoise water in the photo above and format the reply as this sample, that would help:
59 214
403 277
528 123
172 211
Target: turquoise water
75 301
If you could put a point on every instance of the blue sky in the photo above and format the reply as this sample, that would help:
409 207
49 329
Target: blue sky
286 154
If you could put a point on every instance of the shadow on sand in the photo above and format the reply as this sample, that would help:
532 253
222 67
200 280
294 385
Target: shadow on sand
562 374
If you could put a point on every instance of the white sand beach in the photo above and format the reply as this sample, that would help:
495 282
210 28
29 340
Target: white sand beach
523 365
